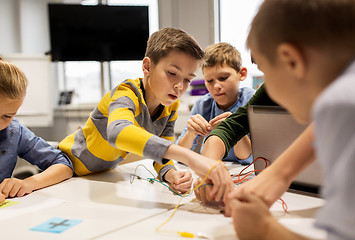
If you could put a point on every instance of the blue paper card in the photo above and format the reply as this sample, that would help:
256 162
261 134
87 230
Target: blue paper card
56 225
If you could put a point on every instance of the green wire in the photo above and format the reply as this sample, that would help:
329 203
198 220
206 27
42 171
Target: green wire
151 180
156 180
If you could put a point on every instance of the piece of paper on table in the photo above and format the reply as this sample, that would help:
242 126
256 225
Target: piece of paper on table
7 203
27 204
56 225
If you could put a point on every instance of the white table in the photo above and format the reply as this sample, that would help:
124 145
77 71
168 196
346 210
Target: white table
111 207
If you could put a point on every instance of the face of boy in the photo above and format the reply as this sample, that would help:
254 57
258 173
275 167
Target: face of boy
223 84
168 80
284 81
8 110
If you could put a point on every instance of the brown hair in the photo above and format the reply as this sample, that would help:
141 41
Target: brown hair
162 42
221 54
13 82
323 24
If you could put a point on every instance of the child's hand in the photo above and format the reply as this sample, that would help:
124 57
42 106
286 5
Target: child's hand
197 125
2 198
215 121
179 180
267 186
13 187
251 217
203 192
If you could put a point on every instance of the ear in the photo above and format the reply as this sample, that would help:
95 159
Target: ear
243 74
146 66
292 59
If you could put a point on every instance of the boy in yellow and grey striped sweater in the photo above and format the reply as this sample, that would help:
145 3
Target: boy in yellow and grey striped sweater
138 117
121 124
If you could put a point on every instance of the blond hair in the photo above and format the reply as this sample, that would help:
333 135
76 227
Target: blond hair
322 24
222 54
166 40
13 82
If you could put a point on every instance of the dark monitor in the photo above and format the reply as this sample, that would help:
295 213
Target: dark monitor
97 32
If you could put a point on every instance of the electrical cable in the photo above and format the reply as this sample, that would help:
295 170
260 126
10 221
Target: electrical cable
242 177
186 234
247 174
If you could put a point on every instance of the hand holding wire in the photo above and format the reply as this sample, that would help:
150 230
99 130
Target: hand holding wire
198 125
181 181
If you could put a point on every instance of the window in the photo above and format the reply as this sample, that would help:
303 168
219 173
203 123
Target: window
90 80
235 19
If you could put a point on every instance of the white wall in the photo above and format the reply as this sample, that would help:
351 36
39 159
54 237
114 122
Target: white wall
24 26
193 16
24 41
37 109
9 27
34 26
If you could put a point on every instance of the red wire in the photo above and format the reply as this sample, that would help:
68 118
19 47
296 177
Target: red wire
198 140
266 163
247 174
284 205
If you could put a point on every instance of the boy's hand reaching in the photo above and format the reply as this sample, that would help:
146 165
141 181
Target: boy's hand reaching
251 216
179 180
214 171
215 121
267 186
202 193
197 125
219 181
13 187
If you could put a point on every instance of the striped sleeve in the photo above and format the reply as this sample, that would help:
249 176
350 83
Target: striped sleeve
168 134
125 135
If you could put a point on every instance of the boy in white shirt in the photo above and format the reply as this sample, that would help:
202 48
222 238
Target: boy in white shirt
306 50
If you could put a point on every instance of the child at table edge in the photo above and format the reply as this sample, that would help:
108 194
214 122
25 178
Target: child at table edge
310 71
223 72
16 140
138 116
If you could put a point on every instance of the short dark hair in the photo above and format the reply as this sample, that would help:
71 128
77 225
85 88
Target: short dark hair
162 42
323 24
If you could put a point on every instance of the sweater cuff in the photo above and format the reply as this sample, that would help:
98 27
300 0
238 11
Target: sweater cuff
155 148
164 170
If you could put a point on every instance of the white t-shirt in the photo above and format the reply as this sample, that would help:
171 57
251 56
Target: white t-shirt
334 117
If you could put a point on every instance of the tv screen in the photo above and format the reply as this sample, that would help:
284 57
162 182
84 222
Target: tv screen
97 33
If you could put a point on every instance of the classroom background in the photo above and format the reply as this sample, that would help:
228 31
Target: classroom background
61 94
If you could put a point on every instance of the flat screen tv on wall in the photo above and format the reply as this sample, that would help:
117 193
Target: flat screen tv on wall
97 32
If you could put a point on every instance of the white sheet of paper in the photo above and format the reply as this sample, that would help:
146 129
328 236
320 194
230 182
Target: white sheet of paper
27 204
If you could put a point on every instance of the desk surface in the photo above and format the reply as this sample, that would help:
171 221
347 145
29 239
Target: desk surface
111 207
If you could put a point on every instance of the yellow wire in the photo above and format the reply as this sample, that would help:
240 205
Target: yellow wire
185 234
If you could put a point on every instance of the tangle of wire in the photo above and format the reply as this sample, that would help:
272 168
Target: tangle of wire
247 174
186 234
153 179
243 177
